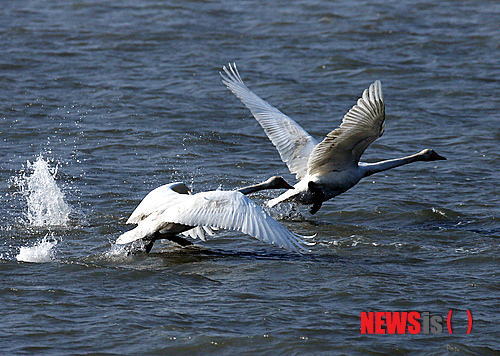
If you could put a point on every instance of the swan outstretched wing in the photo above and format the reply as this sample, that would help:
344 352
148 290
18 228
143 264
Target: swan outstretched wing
200 232
294 144
362 125
156 199
233 211
219 209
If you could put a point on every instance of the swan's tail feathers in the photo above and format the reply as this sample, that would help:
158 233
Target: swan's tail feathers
144 230
131 236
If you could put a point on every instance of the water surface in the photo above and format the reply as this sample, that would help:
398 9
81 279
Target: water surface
118 98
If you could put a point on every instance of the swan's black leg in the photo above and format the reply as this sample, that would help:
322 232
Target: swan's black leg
180 240
316 206
149 246
318 197
174 238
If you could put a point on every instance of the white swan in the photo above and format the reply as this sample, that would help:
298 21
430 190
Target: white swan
332 166
172 209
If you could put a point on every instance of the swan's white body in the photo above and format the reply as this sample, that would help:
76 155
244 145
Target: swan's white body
330 167
171 209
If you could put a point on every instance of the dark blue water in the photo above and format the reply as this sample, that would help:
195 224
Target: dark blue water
121 97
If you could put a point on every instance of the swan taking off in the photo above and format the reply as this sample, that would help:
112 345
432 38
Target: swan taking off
332 166
172 209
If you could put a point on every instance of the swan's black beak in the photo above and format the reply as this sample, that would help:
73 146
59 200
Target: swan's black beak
437 157
287 186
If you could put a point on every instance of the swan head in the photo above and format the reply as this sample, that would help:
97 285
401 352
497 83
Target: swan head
180 188
277 182
272 183
431 155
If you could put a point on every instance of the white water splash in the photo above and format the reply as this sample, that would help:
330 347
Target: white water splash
46 205
117 252
41 251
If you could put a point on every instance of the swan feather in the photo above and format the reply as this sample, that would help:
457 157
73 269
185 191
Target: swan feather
293 143
230 210
343 147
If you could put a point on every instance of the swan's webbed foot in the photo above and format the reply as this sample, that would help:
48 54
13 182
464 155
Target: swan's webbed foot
174 238
316 206
180 240
151 242
149 246
318 197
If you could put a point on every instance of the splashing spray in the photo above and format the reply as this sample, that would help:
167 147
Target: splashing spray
46 205
41 251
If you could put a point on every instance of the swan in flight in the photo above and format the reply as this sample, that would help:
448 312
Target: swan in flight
330 167
172 209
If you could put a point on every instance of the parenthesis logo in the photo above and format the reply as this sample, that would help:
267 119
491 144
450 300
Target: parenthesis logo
448 321
469 319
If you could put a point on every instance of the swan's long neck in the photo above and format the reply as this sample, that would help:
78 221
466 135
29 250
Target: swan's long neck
254 188
372 168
